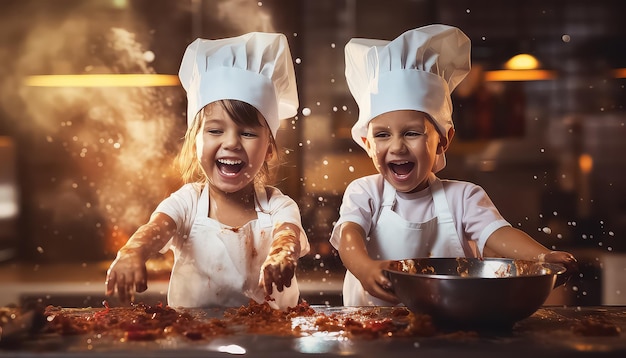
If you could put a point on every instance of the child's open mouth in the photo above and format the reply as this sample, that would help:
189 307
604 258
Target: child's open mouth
230 167
401 168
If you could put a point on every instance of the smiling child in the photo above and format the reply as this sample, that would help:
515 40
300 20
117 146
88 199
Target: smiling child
405 125
234 237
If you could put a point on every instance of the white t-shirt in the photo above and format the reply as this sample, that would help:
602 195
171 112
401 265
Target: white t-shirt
475 215
182 205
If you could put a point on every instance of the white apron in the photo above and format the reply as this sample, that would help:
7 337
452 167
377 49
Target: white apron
220 265
394 238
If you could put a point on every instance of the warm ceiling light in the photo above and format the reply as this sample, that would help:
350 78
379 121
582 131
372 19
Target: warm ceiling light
619 73
101 80
120 4
585 162
522 62
519 75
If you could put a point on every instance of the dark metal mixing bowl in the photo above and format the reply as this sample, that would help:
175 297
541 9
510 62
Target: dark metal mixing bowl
473 293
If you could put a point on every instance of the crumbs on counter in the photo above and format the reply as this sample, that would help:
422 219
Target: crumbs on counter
141 322
595 326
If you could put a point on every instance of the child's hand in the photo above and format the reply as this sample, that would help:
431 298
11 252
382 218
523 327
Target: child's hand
356 259
566 259
561 257
280 265
127 271
277 269
375 282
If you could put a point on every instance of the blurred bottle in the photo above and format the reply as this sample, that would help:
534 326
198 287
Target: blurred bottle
9 200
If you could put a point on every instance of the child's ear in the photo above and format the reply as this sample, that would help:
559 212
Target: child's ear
368 147
270 153
444 143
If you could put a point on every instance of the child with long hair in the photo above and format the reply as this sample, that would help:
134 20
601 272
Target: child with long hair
234 237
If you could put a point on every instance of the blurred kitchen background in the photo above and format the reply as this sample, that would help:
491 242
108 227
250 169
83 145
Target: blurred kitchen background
85 160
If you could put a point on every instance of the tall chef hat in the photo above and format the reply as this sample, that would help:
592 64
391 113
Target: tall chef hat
416 71
255 68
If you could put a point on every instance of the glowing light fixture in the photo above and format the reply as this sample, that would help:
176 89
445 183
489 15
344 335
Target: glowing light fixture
522 67
519 75
121 4
619 73
585 162
522 61
102 80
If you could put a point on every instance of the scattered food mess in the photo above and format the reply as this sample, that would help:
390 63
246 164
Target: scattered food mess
141 322
596 327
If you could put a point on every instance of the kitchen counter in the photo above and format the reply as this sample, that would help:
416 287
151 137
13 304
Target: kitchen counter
602 282
82 284
548 332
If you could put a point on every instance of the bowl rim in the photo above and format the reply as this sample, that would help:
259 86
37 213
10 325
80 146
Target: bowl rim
556 268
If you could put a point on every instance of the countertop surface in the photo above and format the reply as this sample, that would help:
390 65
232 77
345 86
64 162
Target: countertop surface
82 284
551 331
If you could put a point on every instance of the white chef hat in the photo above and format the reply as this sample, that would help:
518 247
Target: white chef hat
416 71
255 68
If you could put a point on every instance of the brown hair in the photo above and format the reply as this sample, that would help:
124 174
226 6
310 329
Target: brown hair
243 114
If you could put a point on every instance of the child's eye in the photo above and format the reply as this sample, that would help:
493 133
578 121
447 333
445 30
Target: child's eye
381 135
249 134
214 131
413 134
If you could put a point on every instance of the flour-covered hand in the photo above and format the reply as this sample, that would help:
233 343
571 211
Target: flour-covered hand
127 273
280 265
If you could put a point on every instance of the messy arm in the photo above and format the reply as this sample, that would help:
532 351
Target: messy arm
513 243
280 265
354 256
128 270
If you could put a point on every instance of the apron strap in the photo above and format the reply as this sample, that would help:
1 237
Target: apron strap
261 205
203 203
442 209
389 195
444 215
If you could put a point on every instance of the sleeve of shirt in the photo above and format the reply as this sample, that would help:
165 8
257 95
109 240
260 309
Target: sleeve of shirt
283 209
480 216
360 204
179 206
